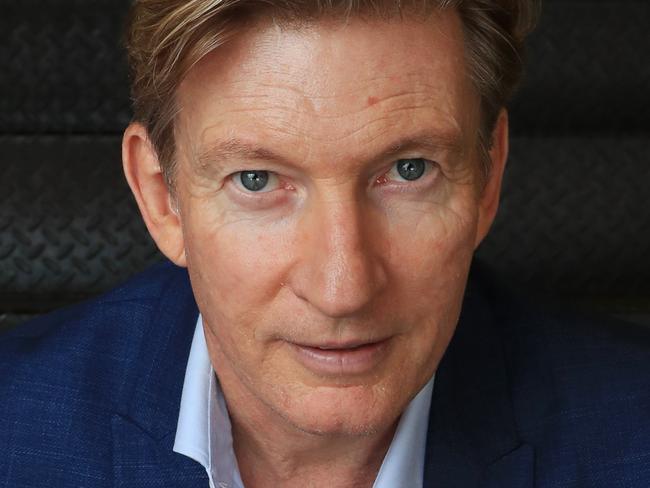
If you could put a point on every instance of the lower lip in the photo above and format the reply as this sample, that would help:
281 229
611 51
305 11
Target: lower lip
339 362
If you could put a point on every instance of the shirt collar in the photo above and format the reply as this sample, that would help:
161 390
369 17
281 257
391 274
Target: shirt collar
204 433
404 462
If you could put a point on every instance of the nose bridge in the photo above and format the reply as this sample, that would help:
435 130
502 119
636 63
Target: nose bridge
341 272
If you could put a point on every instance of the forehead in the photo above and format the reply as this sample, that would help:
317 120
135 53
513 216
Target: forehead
330 81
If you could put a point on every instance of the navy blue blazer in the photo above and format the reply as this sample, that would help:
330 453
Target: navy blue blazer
89 396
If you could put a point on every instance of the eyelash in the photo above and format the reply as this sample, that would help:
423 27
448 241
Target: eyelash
235 177
430 174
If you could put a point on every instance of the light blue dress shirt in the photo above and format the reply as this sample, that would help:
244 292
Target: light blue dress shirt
204 431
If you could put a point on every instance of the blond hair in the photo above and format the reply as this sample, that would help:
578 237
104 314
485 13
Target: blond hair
165 38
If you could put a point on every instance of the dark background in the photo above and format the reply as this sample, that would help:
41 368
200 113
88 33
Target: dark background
574 224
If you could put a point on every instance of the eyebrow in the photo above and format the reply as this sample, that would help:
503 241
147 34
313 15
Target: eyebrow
235 148
450 142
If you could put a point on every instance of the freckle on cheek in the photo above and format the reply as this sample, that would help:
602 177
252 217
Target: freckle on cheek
372 101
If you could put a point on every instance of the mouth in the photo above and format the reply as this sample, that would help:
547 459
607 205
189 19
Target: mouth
351 358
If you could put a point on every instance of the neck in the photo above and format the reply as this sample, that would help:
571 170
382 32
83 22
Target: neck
278 456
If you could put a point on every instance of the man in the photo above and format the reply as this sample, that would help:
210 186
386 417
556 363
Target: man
323 172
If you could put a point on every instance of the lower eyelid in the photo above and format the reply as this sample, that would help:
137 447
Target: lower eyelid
257 201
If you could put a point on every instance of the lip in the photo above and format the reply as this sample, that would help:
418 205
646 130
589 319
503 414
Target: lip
352 358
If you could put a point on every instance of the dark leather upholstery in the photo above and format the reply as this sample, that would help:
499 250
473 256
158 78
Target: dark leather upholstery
575 216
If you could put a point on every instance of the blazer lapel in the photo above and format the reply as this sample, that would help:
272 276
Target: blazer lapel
140 459
144 428
472 439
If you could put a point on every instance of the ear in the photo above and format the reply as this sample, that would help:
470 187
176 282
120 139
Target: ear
489 199
144 175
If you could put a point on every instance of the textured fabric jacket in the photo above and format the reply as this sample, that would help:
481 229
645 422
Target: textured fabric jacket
89 395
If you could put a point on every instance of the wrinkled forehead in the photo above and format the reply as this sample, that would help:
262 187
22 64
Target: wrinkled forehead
330 78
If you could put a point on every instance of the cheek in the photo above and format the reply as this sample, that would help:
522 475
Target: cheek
431 248
429 274
237 267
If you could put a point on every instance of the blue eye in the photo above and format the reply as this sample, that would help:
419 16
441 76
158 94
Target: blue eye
254 180
411 169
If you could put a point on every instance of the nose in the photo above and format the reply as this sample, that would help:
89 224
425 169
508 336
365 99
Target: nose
340 271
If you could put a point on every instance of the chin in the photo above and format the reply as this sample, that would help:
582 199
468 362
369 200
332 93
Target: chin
344 410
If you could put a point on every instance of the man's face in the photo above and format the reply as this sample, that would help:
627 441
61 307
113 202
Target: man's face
327 191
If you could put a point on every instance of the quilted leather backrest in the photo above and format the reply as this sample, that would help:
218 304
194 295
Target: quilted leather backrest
575 214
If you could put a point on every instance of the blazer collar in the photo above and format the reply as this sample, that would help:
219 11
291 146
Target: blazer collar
144 424
472 439
153 399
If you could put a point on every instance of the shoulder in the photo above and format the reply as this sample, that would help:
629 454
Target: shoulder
89 343
61 375
587 363
581 394
109 322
